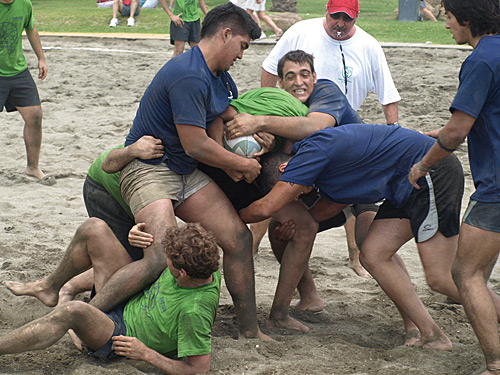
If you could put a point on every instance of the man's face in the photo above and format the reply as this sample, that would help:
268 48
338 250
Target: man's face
460 33
234 46
339 26
298 80
174 271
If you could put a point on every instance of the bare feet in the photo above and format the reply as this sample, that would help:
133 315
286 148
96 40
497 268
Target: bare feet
76 340
315 304
438 341
356 266
260 336
288 323
34 172
412 337
36 289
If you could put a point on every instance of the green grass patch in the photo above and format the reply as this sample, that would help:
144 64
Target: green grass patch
377 17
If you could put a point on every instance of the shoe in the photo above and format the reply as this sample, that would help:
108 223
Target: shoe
278 36
262 36
130 22
114 22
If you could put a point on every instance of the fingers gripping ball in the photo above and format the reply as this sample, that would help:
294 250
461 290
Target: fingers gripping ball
245 146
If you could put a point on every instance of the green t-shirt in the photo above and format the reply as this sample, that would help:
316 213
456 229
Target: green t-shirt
270 101
170 318
110 182
188 8
14 18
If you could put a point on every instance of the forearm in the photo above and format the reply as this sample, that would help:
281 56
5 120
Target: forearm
35 42
391 112
166 8
294 128
170 366
203 6
267 79
117 159
256 212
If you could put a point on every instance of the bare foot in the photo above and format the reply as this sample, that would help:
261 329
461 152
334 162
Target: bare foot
76 340
34 172
412 337
36 289
359 269
439 341
260 336
311 304
288 323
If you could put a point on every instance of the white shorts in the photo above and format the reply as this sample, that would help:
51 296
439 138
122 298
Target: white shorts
252 4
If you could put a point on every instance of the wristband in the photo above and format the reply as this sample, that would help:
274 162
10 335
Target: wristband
444 147
395 123
421 167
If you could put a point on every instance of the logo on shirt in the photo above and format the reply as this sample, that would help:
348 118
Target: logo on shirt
8 37
150 296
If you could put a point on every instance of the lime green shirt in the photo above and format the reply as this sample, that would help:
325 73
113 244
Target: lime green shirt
188 8
110 182
170 318
14 18
270 101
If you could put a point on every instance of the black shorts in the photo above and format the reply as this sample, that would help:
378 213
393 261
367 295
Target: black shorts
18 91
189 32
436 205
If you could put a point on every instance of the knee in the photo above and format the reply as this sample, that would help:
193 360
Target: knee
70 311
92 227
35 120
456 274
439 283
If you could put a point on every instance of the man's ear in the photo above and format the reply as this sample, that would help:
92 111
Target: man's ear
280 83
283 166
226 34
183 272
315 77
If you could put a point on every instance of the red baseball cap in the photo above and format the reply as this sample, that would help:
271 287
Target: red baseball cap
351 7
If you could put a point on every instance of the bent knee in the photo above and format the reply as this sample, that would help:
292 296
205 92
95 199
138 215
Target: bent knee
93 226
71 310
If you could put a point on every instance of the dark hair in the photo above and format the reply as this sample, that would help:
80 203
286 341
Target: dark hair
270 173
232 16
193 249
483 16
300 57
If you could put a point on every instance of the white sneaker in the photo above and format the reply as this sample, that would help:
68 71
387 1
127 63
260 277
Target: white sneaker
114 22
130 22
262 36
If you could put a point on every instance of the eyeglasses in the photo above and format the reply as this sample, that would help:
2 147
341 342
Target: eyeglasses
345 68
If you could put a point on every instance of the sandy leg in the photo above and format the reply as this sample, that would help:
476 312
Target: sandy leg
38 289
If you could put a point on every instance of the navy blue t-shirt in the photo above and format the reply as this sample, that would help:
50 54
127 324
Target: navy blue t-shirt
183 92
478 95
358 163
328 98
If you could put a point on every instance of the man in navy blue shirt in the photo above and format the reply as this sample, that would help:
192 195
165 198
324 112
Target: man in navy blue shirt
476 116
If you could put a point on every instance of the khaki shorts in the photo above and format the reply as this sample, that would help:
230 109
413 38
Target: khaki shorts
142 184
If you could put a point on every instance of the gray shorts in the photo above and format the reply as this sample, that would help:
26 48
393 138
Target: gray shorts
18 91
126 10
423 4
436 205
483 215
189 32
142 184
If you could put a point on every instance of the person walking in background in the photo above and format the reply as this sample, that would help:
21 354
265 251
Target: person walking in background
185 23
257 9
426 12
18 91
126 8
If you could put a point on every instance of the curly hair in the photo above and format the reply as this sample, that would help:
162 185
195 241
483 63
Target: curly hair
193 249
483 15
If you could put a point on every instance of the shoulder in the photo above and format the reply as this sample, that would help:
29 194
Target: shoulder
361 36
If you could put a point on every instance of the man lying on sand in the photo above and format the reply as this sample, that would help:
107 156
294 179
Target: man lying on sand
333 161
173 316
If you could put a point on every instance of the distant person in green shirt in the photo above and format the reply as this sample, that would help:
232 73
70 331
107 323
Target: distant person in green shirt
171 317
185 22
18 91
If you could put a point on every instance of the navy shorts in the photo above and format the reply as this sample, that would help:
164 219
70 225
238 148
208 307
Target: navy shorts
483 215
189 32
436 205
18 91
106 352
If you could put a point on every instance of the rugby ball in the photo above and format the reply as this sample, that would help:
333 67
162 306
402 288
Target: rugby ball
245 146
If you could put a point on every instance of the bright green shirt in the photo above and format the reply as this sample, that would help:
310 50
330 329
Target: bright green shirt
170 318
188 8
110 182
14 18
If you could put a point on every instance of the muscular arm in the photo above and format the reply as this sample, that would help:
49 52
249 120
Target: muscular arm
281 194
147 147
391 112
451 136
267 79
294 128
36 44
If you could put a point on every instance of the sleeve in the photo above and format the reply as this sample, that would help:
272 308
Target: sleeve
194 335
475 80
189 107
29 22
306 165
382 79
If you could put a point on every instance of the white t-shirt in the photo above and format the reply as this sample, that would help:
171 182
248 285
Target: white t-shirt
366 66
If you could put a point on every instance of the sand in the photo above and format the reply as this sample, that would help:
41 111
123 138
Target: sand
89 100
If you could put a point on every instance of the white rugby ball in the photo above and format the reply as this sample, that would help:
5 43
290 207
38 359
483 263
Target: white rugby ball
245 146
